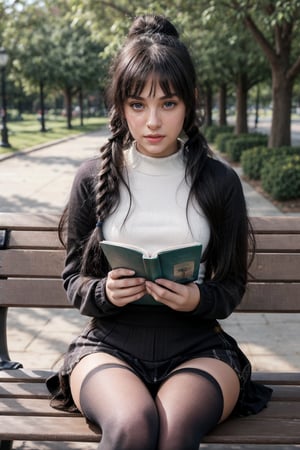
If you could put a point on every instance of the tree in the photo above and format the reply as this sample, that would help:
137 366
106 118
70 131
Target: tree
33 61
248 69
78 61
274 24
52 52
227 59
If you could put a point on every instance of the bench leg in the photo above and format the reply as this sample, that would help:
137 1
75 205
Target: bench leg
6 445
5 362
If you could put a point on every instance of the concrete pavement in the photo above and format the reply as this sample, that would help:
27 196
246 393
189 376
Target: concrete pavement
40 181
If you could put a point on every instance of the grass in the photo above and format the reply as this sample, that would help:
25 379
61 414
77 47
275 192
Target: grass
26 133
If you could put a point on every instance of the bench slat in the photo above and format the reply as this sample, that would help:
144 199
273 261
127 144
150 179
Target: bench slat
23 390
49 263
36 263
13 390
50 240
41 407
256 430
264 431
34 239
281 409
43 293
277 242
271 297
47 293
30 407
271 224
67 428
262 224
18 375
269 266
24 221
285 393
280 378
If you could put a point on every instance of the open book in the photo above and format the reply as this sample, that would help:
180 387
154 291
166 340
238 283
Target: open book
179 263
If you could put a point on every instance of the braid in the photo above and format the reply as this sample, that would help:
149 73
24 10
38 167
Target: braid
107 195
112 164
107 187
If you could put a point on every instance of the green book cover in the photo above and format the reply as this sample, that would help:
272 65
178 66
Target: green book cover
180 263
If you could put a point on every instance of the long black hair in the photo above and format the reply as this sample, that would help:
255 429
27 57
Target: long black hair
154 51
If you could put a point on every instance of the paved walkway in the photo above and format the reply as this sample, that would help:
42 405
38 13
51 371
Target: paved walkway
39 181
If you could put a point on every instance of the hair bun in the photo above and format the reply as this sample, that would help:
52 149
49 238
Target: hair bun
152 24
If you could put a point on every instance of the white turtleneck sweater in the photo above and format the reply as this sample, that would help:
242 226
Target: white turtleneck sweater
157 218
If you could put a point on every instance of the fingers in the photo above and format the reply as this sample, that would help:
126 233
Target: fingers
120 273
123 288
177 296
164 291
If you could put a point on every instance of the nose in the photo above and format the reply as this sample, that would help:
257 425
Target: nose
154 120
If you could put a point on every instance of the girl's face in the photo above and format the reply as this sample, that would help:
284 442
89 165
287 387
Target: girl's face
155 120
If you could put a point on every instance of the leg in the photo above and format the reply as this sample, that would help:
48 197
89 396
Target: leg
194 399
111 395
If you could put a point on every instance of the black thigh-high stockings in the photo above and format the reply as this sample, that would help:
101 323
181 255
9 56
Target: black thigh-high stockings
188 405
113 397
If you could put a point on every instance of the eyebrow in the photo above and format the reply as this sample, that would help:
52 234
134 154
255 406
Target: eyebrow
164 97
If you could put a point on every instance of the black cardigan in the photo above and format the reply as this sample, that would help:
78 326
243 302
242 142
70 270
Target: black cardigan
218 298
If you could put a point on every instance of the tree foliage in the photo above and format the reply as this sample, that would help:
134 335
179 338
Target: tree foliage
274 25
68 44
53 50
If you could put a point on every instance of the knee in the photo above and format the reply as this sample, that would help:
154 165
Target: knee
131 431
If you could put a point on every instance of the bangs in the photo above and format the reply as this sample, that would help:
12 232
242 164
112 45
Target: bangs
136 85
160 66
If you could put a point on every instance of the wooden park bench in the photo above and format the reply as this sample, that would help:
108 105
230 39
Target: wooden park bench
31 260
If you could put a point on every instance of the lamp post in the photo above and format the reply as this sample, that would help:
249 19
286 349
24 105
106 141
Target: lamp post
4 131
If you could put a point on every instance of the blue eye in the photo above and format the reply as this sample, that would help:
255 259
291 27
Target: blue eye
136 106
169 105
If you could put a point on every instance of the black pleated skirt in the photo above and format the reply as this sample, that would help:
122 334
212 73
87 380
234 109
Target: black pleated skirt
154 341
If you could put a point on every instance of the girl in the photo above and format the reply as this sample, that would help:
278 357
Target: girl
155 377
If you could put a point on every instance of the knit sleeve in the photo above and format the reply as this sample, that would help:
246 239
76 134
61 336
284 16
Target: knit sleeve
85 293
219 298
220 295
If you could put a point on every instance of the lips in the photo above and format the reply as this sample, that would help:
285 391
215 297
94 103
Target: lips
154 138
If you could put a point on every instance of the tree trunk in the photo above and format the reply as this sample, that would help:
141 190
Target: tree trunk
257 104
208 106
42 108
282 88
4 130
80 100
283 76
223 105
20 109
68 107
241 125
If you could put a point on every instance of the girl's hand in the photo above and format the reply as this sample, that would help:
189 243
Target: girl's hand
123 288
180 297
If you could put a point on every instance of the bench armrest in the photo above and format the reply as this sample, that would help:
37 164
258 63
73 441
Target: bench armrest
5 361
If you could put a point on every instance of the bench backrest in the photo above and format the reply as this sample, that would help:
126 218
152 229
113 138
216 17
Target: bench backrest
32 258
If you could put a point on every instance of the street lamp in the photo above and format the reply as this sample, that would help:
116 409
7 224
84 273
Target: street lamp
4 131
